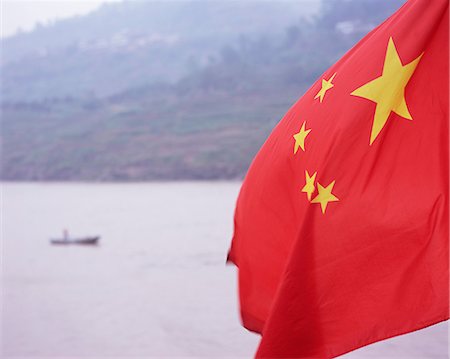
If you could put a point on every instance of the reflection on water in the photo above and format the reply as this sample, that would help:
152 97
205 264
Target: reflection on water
155 286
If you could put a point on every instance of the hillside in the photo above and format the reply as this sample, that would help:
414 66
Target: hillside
173 90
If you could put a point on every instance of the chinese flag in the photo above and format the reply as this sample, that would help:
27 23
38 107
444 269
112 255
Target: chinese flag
341 226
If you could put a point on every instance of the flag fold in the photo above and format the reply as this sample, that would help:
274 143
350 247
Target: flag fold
341 226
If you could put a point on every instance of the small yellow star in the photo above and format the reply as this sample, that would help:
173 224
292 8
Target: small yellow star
325 196
388 90
326 85
309 186
300 138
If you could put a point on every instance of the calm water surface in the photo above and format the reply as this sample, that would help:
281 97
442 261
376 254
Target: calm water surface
156 286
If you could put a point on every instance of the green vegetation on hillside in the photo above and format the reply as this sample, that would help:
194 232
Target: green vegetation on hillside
193 95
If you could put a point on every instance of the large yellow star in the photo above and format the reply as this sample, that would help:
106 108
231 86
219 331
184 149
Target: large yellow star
325 196
388 90
326 85
309 186
300 138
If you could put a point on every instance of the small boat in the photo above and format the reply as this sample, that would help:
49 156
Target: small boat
83 240
93 240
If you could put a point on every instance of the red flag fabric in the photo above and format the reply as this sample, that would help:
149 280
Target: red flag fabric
341 225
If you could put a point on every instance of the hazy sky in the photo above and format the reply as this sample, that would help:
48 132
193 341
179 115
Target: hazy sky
25 14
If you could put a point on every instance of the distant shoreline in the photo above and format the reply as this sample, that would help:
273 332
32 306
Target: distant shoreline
170 181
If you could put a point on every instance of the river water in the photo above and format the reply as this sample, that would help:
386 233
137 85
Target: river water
156 286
